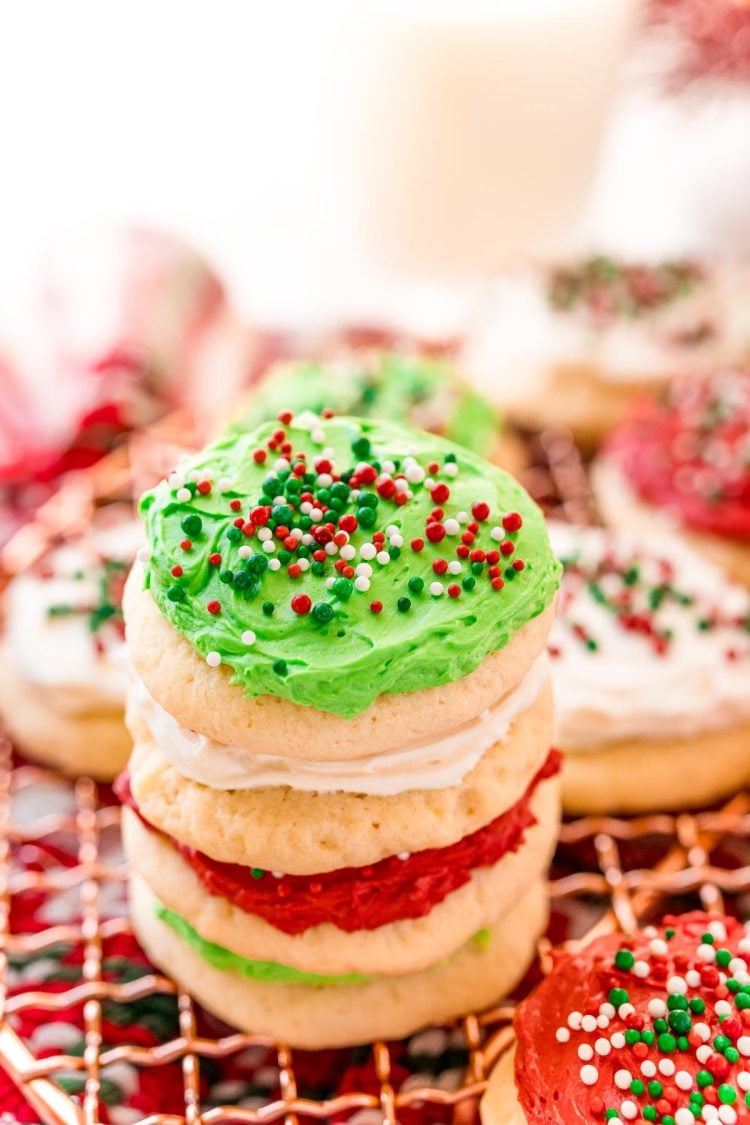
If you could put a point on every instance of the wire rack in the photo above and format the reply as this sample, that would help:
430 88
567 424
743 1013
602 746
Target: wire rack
102 1013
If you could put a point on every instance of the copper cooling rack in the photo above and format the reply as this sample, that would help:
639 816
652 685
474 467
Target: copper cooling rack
62 904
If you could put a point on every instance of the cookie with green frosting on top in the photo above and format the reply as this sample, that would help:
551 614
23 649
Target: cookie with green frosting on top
329 562
423 391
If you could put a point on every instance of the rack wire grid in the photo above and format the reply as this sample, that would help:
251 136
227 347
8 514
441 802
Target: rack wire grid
91 1035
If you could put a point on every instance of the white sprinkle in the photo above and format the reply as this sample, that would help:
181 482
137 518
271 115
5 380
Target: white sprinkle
278 874
224 484
718 930
329 582
318 436
703 1030
391 530
562 1035
657 1008
641 969
743 1080
585 1052
683 1080
658 947
280 464
623 1078
367 551
193 475
143 554
389 467
348 552
248 637
324 480
303 564
629 1110
462 517
607 1009
677 986
183 495
429 483
383 558
403 855
743 1045
402 485
684 1117
452 527
617 1040
331 548
602 1046
274 564
727 1114
265 533
737 965
693 977
602 1022
213 659
648 1068
176 480
362 583
305 507
666 1067
723 1008
589 1075
497 534
588 1023
363 568
245 552
709 1113
703 1053
316 515
280 499
436 589
454 567
574 1019
625 1010
397 540
705 953
296 533
450 468
269 546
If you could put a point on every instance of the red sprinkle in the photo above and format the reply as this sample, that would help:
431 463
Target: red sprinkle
417 545
518 564
462 551
319 556
186 544
260 516
435 532
214 607
214 559
454 591
294 571
376 607
512 521
480 510
239 521
204 487
248 528
400 499
235 505
440 566
506 547
176 571
440 493
497 583
285 417
348 524
301 603
259 456
433 467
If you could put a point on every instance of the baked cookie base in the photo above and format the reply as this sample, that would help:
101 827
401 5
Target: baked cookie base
476 976
95 744
300 833
620 507
203 698
500 1104
645 776
406 946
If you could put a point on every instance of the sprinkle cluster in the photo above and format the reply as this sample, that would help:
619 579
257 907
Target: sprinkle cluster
675 1043
640 592
106 608
604 289
315 518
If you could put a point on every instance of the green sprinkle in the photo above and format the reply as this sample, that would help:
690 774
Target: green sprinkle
680 1022
342 589
721 1042
660 1026
727 1094
227 577
317 568
732 1055
367 500
404 605
703 1078
666 1043
257 564
268 608
176 593
637 1087
655 1089
257 872
366 517
632 1036
742 1000
322 612
361 448
648 1037
192 525
697 1005
617 996
707 938
624 959
677 1002
723 957
649 1113
280 667
416 585
234 534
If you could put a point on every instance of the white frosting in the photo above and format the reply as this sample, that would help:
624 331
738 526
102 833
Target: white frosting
625 689
432 765
59 653
522 339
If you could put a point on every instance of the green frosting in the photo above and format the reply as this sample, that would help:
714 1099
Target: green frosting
289 623
269 972
423 392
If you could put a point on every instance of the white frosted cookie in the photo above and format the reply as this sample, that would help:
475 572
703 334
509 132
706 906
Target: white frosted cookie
62 692
573 344
650 659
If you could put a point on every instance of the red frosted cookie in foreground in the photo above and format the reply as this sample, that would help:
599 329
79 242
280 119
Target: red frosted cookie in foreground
653 1027
685 464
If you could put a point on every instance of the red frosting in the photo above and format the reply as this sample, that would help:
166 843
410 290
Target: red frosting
691 455
363 898
567 1073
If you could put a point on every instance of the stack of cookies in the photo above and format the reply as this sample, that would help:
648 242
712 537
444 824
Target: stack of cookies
342 799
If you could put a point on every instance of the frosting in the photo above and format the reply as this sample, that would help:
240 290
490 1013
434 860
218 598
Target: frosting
64 629
650 640
269 972
624 322
328 561
690 456
648 1028
438 764
424 392
363 898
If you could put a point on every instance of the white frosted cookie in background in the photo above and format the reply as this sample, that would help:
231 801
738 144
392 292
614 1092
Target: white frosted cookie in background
651 664
574 344
62 653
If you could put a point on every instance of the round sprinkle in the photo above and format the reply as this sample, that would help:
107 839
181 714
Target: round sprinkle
192 525
301 604
322 612
404 605
213 659
248 637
